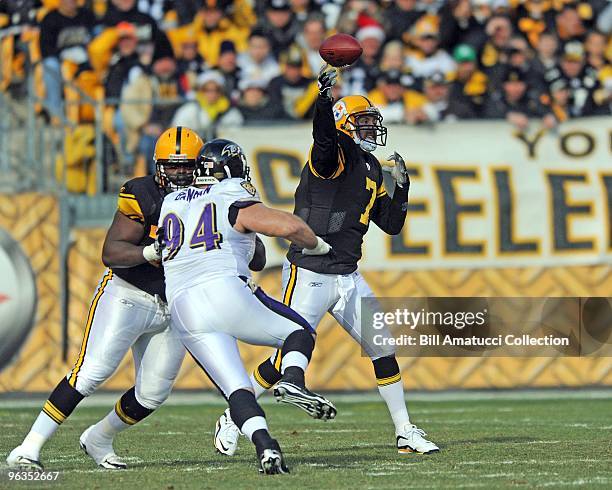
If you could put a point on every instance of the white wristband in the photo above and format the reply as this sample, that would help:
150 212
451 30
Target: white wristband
150 254
322 248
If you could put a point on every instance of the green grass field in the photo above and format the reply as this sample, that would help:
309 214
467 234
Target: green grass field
524 441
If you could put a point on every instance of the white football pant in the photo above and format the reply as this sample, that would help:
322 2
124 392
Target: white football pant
123 316
210 317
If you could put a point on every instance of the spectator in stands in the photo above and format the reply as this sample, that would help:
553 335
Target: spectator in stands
546 53
388 96
499 31
428 58
569 25
214 25
534 18
310 39
294 92
459 25
64 36
210 109
303 10
190 63
468 91
152 40
227 65
125 61
279 25
558 100
361 77
158 94
257 61
518 55
595 46
585 96
432 105
255 105
393 57
514 104
399 17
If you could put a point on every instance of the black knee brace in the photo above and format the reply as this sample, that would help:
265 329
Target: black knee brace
301 341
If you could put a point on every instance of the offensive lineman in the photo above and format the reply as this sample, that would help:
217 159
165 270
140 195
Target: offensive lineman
128 310
340 191
209 238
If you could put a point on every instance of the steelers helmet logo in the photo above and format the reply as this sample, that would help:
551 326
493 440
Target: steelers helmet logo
17 298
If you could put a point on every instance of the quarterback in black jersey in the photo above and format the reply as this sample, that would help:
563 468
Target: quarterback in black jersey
340 191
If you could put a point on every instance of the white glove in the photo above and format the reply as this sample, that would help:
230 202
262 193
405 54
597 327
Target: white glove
398 172
153 252
322 248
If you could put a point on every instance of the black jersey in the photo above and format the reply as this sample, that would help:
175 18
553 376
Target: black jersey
341 189
141 199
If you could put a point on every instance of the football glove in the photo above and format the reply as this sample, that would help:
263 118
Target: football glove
322 248
327 79
399 172
153 252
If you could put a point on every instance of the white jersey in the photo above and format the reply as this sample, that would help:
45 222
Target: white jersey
201 243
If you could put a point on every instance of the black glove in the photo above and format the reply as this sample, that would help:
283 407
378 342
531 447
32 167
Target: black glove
327 79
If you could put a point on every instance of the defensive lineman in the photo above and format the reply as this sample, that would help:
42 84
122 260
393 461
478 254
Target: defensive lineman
128 310
340 191
209 238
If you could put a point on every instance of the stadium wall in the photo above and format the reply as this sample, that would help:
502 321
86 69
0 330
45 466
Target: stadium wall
571 256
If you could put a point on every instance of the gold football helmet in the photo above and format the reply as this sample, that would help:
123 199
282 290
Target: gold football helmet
356 116
176 151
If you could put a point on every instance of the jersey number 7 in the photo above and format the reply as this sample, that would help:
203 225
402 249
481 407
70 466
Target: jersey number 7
205 234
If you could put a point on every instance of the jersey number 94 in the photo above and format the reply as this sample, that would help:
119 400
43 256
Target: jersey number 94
205 233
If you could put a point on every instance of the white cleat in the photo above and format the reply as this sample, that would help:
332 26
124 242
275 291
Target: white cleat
100 451
226 434
18 460
411 440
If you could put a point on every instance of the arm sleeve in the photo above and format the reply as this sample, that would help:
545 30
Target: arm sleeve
48 38
389 213
325 155
128 205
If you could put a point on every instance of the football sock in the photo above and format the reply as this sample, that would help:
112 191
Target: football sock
127 412
391 389
61 403
297 350
266 374
246 412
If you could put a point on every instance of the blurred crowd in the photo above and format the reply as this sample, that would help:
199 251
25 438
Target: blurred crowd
212 63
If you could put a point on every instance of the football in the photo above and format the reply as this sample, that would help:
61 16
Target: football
340 50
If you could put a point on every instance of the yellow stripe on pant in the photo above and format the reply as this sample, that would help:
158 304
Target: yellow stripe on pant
90 318
290 286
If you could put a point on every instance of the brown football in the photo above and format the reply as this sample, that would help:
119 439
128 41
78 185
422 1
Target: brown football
340 50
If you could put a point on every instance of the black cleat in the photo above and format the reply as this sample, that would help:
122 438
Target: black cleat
271 462
313 404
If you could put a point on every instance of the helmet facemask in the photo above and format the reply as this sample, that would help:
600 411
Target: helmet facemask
175 173
366 129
